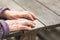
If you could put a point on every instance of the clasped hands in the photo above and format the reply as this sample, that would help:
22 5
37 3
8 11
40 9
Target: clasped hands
19 20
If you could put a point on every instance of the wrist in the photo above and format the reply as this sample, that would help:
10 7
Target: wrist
2 12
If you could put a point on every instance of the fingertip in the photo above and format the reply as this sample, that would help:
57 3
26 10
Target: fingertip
31 18
33 15
28 28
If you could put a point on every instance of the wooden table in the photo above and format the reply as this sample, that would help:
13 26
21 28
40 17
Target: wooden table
47 11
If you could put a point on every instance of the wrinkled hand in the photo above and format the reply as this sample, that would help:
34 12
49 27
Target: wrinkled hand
21 24
18 15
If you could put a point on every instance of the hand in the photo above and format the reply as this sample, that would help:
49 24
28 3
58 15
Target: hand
18 15
21 24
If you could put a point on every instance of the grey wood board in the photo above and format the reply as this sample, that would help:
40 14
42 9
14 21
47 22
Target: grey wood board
10 4
54 5
44 14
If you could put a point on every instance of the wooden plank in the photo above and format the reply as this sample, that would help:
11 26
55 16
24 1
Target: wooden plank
45 15
53 5
2 2
10 4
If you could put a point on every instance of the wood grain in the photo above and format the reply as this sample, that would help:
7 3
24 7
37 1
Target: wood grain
44 14
53 5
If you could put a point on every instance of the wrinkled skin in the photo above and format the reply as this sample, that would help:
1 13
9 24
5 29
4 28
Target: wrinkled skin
21 24
19 20
18 15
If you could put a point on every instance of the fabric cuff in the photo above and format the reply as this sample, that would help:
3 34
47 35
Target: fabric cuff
5 28
3 9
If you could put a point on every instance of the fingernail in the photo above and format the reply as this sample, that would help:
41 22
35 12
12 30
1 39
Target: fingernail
34 23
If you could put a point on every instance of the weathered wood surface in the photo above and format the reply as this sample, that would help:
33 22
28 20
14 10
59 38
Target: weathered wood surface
10 4
53 5
44 14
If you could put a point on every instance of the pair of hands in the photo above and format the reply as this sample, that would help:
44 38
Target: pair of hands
19 20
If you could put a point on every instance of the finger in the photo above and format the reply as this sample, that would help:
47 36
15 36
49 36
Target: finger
27 16
30 23
33 15
15 18
27 22
30 17
25 28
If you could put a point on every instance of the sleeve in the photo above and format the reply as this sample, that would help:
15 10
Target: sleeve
2 9
4 29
